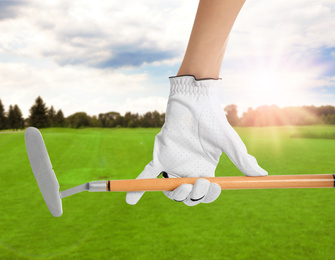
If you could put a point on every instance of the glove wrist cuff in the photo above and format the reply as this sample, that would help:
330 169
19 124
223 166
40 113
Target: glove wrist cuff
189 85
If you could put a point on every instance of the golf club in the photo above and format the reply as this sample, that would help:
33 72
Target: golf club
49 186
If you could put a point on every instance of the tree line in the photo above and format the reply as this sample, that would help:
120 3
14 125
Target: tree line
275 116
41 116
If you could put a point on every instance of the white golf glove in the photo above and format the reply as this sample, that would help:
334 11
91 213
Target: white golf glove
195 133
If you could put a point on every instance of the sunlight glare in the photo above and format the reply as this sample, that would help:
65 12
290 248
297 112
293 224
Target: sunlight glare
269 86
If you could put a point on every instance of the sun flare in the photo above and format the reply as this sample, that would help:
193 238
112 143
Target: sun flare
274 86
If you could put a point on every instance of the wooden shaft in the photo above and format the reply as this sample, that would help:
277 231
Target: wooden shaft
228 183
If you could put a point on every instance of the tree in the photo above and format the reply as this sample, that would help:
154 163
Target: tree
3 119
329 119
60 120
95 122
15 119
118 122
163 118
102 117
248 117
52 117
135 118
11 117
19 121
77 120
156 118
38 114
147 120
110 119
127 120
268 116
231 113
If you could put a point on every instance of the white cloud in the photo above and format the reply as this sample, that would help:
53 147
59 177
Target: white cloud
90 32
276 27
69 88
37 40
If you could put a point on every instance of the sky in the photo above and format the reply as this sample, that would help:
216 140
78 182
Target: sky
101 56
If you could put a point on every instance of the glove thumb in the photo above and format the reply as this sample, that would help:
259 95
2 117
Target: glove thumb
150 171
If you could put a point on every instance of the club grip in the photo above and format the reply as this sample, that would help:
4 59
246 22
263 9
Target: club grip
228 183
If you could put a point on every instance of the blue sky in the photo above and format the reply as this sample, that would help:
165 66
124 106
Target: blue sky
101 56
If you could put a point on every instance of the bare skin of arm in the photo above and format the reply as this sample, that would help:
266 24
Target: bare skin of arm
209 37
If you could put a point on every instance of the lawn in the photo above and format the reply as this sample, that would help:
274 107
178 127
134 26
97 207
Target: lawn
240 224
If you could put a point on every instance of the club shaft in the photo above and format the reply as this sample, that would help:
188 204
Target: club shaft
227 183
74 190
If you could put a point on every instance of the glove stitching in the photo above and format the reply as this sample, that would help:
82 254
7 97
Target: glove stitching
193 90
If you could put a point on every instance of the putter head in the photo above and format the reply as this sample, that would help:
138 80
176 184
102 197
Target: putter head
42 169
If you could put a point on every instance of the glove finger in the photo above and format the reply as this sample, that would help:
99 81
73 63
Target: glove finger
258 171
198 193
150 171
213 193
179 194
237 152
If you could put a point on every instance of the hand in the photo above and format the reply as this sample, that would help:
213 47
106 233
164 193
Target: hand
201 192
195 133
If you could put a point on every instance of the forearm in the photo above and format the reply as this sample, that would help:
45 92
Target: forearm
213 23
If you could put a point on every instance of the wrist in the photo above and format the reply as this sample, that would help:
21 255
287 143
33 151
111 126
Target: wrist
189 85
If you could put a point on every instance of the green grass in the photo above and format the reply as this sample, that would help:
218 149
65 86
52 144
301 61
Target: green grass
323 132
245 224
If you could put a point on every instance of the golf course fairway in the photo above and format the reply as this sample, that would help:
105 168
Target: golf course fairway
240 224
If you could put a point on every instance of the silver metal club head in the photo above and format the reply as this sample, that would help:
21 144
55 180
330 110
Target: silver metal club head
46 177
43 172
